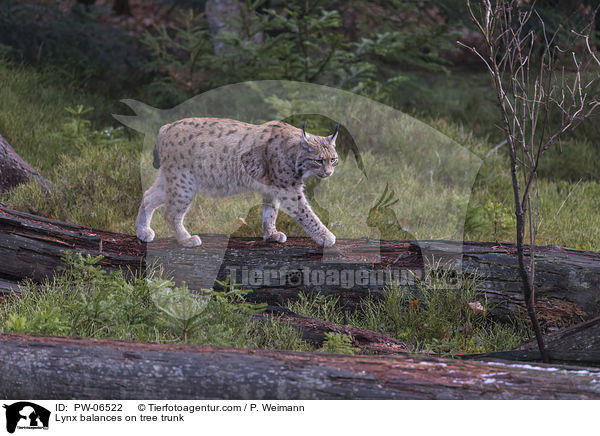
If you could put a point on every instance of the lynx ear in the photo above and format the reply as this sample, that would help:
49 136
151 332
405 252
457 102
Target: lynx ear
255 162
304 134
305 137
333 136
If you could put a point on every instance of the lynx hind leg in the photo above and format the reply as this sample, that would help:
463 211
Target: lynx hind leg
178 205
153 198
270 210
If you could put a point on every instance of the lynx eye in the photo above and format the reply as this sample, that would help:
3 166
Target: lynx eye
334 161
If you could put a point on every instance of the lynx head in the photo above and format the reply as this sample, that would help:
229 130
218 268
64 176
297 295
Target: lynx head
317 156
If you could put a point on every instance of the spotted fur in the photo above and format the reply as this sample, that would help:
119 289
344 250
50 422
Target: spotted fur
220 157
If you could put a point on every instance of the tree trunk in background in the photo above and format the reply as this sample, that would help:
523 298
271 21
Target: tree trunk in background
229 16
221 16
596 30
14 170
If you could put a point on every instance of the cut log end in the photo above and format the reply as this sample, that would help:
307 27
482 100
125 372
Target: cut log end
15 171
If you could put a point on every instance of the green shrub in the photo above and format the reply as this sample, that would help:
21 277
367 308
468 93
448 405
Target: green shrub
79 47
338 343
295 46
85 300
300 40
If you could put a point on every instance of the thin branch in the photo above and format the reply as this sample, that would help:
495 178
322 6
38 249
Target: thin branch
474 50
496 147
586 38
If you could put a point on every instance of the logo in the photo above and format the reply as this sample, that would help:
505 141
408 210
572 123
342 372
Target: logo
26 415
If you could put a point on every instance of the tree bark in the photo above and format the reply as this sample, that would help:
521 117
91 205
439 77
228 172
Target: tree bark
567 280
14 170
575 345
229 16
107 369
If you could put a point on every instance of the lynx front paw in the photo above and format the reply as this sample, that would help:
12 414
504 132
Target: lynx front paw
325 239
276 237
192 241
145 235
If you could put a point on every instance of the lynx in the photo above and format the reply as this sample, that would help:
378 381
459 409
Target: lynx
220 157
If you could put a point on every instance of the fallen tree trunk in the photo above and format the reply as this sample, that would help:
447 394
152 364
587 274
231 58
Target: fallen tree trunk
14 170
576 345
567 281
106 369
314 331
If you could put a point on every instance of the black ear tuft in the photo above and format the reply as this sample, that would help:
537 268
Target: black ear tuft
305 136
333 136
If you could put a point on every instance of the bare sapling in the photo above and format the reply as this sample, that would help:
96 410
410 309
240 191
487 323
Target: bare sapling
536 83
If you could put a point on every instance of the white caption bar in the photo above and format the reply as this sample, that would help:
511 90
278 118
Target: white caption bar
148 417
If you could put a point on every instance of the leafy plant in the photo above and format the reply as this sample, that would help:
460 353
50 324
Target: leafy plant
338 343
78 124
499 216
47 321
181 307
232 293
84 300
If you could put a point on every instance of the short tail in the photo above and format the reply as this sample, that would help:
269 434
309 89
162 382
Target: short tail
156 162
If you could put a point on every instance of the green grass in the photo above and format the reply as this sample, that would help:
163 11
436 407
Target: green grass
465 102
338 343
32 113
569 201
435 316
569 212
84 300
318 306
99 187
